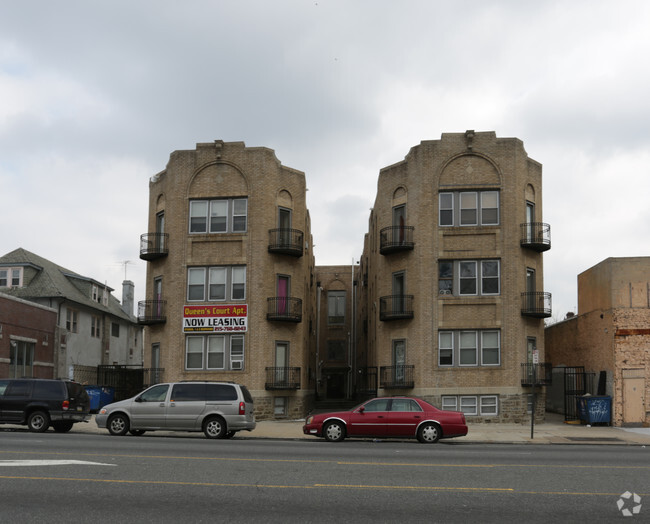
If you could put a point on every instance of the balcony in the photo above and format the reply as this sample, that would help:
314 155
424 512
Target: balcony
152 312
396 307
286 241
536 374
393 239
284 309
536 304
282 378
396 377
153 246
535 236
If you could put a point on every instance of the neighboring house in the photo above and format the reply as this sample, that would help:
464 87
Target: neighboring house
93 328
446 303
453 298
27 338
610 336
230 282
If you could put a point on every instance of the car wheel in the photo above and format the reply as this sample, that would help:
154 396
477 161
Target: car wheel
215 427
136 432
38 421
118 425
334 432
62 427
429 433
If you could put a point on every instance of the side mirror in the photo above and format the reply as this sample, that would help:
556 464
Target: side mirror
362 409
139 399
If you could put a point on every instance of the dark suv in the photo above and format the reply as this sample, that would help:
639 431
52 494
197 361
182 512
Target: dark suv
41 403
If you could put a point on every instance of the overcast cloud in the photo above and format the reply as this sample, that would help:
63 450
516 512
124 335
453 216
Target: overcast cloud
94 96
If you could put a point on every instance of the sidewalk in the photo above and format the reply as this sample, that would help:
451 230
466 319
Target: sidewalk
552 431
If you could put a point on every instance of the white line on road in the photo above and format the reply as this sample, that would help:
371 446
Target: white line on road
50 463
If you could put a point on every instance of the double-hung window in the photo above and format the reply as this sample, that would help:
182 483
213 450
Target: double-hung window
468 208
216 283
469 277
11 277
336 307
227 215
469 348
214 352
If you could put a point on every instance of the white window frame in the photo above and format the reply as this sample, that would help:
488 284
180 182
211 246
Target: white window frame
450 334
234 276
450 402
474 195
215 345
479 336
489 405
202 212
483 347
461 348
479 279
468 401
231 346
11 277
462 201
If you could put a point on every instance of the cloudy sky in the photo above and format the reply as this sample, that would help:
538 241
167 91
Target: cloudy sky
94 96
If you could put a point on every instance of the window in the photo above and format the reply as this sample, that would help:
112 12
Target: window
469 277
11 277
71 320
468 208
469 348
405 404
115 329
336 307
280 406
221 283
21 359
219 216
484 405
214 352
95 326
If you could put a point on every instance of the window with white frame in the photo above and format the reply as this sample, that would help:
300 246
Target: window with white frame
469 277
216 283
95 326
214 352
71 316
11 277
227 215
468 208
469 348
336 307
472 405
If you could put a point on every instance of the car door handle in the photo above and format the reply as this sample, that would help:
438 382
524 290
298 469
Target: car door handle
162 404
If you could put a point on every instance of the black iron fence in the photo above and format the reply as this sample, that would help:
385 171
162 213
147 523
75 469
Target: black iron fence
287 241
127 381
396 376
396 307
284 308
282 378
396 238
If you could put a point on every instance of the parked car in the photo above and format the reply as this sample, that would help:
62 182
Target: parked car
219 409
388 417
41 403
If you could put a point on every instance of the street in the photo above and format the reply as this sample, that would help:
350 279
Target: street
99 478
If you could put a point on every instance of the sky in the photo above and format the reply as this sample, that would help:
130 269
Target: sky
95 96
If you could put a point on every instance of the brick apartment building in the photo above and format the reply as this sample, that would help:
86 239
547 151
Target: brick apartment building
447 301
610 336
230 275
454 271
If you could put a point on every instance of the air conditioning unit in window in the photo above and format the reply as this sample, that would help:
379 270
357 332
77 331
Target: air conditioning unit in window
445 292
237 364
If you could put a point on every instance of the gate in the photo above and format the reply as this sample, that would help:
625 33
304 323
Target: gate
577 382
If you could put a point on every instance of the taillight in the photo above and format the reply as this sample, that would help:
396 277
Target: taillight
66 405
242 408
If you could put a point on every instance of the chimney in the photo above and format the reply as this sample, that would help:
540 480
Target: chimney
128 290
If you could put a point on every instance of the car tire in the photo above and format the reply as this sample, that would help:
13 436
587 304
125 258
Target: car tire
38 421
429 433
136 432
62 427
118 424
334 431
215 427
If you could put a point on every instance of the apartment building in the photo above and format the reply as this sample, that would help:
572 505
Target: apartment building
230 275
92 327
453 301
609 338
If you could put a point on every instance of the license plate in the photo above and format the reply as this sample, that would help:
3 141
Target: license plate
79 408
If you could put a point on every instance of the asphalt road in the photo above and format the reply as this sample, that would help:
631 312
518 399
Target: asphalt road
99 478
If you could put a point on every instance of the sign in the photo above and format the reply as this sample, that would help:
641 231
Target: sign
221 318
535 356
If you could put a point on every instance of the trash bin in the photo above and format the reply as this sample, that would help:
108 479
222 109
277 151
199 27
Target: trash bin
94 394
107 394
595 409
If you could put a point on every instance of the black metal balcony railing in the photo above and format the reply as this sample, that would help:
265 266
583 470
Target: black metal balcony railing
537 304
152 312
286 309
396 307
536 374
286 241
282 378
153 246
396 238
536 236
396 377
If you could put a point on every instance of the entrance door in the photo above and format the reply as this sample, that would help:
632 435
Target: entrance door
281 362
283 294
399 220
284 224
398 306
160 229
530 219
633 393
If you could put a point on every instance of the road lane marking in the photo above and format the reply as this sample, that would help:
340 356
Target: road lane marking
23 463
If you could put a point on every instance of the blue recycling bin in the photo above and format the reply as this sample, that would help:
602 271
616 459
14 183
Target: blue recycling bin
107 395
94 394
595 409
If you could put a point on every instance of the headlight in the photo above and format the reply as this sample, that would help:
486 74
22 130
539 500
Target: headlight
310 420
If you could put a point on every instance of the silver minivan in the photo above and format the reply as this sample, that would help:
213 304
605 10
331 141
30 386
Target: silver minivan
219 409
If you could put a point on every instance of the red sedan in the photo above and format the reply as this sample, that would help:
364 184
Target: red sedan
388 417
